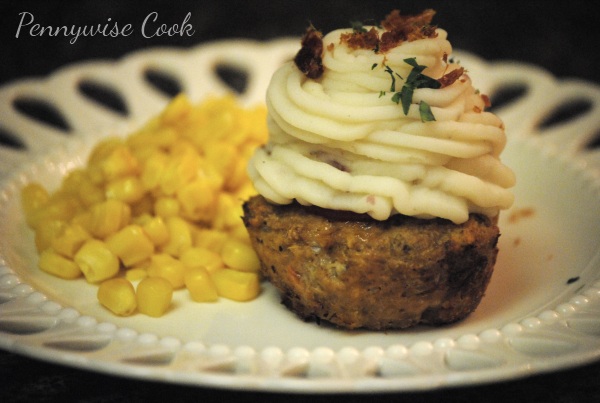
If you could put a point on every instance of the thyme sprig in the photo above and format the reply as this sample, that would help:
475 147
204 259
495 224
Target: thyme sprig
415 80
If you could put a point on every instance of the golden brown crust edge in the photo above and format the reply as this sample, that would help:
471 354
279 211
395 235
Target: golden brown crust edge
355 272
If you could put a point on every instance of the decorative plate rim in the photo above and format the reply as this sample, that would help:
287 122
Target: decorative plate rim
82 341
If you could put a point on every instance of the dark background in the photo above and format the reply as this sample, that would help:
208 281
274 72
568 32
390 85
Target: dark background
560 36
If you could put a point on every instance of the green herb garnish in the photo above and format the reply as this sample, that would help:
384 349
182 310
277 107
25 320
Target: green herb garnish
374 65
416 79
357 26
393 75
425 112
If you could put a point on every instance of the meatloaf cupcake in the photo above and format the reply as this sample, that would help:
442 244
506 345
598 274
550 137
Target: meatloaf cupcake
381 183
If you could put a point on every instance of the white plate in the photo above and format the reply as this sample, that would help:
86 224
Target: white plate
541 312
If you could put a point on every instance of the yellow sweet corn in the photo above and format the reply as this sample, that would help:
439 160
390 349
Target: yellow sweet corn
69 239
166 207
58 207
197 200
53 263
131 245
118 163
210 239
201 257
179 170
240 256
128 189
153 296
103 149
236 285
200 285
154 166
136 274
167 267
79 183
156 230
118 296
162 203
46 231
96 261
229 212
180 236
108 217
33 197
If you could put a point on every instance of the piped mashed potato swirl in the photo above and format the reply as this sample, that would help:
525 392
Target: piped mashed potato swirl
340 142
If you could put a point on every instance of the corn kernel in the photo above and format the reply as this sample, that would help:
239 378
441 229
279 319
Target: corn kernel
70 238
240 256
46 231
201 257
118 296
119 162
156 229
96 261
103 149
179 171
58 265
200 285
57 208
108 217
197 200
241 234
131 245
128 189
229 212
236 285
167 267
33 197
177 110
211 239
136 274
166 207
154 295
180 236
153 168
222 155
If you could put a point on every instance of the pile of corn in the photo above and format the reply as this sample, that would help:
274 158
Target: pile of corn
157 211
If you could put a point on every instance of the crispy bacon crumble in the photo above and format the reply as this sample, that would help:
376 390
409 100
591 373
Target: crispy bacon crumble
398 28
309 57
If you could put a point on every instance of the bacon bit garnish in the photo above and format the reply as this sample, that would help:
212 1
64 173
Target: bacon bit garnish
309 57
409 28
361 39
449 78
398 28
486 100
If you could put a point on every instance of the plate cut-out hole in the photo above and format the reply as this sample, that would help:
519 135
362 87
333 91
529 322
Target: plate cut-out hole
506 95
7 139
41 111
104 95
162 81
594 144
235 77
566 111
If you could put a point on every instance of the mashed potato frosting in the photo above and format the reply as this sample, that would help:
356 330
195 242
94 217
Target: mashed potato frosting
400 130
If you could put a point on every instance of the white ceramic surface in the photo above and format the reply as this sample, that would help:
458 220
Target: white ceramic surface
541 311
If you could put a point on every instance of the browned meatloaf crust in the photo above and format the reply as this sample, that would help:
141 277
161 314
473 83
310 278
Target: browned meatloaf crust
356 272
